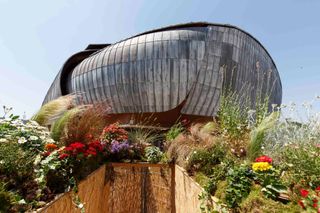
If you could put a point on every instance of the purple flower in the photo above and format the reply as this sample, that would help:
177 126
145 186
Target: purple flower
117 146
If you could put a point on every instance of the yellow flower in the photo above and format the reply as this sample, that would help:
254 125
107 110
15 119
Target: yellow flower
261 166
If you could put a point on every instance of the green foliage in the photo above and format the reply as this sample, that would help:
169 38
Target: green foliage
271 183
239 184
295 148
205 160
153 154
256 202
221 189
258 134
202 179
302 164
144 137
58 126
52 109
7 199
232 115
174 131
210 127
15 161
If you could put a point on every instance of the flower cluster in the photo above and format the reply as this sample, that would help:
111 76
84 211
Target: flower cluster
264 158
310 199
80 150
117 146
114 132
262 163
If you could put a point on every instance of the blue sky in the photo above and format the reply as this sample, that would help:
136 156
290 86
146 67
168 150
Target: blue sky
36 37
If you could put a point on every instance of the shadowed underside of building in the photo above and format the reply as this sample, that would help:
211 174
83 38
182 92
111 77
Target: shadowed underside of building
179 70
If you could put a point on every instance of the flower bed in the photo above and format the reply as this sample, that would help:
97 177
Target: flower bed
34 168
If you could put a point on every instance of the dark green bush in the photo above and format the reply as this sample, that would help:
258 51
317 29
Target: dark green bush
239 184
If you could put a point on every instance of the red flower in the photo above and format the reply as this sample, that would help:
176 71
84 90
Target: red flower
63 156
315 203
264 158
77 145
304 193
300 202
91 151
318 188
46 154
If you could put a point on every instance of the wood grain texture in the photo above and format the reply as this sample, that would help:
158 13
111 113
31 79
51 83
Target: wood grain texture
90 193
158 70
125 187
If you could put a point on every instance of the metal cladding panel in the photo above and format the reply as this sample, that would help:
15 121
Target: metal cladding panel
149 73
157 71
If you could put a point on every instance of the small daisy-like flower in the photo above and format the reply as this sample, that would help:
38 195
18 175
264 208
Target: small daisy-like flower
3 140
22 140
33 138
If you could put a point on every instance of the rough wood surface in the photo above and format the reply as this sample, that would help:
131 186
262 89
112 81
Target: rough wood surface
122 188
187 191
90 193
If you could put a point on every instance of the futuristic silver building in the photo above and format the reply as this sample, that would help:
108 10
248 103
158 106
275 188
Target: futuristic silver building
183 66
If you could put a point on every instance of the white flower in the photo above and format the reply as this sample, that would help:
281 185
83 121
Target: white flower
3 140
8 136
80 206
33 138
22 201
22 140
50 140
2 162
37 160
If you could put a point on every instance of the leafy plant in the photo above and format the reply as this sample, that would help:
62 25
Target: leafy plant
205 160
7 199
174 131
114 132
239 184
256 202
153 154
231 114
310 200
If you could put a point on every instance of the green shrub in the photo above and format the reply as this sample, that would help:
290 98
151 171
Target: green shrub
7 199
256 202
153 154
294 147
205 160
239 184
174 131
232 116
201 178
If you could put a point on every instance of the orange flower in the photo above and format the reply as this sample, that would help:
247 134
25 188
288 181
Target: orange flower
50 146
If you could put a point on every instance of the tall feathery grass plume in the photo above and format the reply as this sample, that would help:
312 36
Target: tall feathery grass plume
258 134
87 124
58 128
53 109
